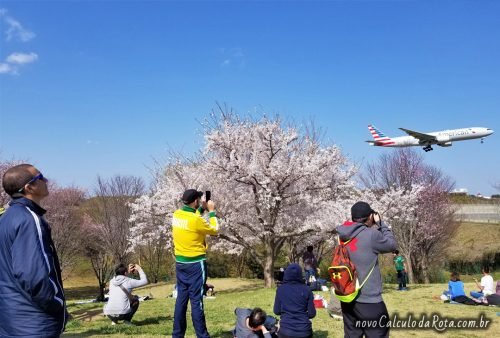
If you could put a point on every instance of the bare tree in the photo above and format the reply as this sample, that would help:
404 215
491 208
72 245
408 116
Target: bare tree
96 250
109 209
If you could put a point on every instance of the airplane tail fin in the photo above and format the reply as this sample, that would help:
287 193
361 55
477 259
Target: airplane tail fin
379 138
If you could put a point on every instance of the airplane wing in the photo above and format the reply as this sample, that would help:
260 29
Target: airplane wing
421 136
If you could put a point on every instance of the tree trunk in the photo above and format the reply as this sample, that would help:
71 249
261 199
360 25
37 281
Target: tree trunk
425 270
409 269
268 270
102 286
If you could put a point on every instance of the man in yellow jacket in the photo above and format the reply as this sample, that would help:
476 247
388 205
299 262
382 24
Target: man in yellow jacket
189 230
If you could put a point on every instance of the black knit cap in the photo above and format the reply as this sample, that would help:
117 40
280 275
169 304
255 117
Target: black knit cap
361 210
191 195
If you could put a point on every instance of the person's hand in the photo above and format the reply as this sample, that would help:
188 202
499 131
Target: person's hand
261 328
210 205
137 267
376 217
204 205
131 268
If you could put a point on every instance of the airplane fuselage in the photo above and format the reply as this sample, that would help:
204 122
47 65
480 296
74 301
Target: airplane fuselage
443 138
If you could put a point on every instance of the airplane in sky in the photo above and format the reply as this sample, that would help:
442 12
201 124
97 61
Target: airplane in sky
426 140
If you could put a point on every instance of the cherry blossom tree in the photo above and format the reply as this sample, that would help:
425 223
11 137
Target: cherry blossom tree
422 214
270 182
4 165
150 234
65 218
278 182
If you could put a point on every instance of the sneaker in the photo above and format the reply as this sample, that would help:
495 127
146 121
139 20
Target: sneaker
337 317
126 322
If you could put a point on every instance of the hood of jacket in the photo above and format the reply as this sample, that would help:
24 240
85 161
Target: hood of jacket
349 229
118 280
293 273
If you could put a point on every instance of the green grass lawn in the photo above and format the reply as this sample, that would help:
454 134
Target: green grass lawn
155 317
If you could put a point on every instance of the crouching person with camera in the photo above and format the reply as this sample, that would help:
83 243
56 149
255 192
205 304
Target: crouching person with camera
122 305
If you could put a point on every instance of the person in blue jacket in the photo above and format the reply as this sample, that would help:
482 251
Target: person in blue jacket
32 298
294 303
456 291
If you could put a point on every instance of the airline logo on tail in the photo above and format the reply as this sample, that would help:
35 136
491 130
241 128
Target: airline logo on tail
379 137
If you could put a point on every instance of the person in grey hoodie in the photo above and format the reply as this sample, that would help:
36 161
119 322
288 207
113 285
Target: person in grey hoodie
369 236
118 306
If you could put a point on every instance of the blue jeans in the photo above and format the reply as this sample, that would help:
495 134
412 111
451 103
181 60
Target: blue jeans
476 294
191 279
309 273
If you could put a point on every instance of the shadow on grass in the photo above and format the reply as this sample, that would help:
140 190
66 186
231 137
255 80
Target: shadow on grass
222 334
86 314
320 334
154 320
241 289
389 288
82 292
120 328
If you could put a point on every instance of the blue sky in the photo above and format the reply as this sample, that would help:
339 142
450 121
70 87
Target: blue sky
102 87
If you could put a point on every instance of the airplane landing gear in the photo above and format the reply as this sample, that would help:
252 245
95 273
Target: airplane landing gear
482 140
427 148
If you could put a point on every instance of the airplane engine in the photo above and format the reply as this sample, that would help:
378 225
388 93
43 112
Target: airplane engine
445 144
443 139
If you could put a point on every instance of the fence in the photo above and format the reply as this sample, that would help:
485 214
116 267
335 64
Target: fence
478 213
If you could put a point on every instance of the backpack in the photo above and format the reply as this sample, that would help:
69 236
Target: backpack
343 274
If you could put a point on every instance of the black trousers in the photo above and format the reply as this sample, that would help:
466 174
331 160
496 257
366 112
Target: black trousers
401 279
126 316
365 319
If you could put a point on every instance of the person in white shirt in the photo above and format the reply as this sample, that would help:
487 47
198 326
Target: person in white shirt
486 287
121 304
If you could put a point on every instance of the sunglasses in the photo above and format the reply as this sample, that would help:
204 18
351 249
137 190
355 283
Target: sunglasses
34 179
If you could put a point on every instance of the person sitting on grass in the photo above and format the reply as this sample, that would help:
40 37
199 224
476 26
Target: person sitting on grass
254 324
121 304
456 290
294 303
486 287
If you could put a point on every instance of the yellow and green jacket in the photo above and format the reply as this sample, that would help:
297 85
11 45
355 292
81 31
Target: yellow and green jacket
189 230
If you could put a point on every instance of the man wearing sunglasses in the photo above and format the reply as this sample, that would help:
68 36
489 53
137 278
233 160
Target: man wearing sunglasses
32 297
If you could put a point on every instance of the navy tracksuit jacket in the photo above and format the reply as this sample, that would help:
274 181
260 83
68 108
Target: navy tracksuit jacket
32 302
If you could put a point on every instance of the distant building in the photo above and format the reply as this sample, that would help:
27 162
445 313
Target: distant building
460 192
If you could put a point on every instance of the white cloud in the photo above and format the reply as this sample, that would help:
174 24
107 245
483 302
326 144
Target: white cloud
5 68
14 28
15 31
232 57
22 58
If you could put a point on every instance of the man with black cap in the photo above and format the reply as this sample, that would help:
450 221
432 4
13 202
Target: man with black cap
189 230
369 236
